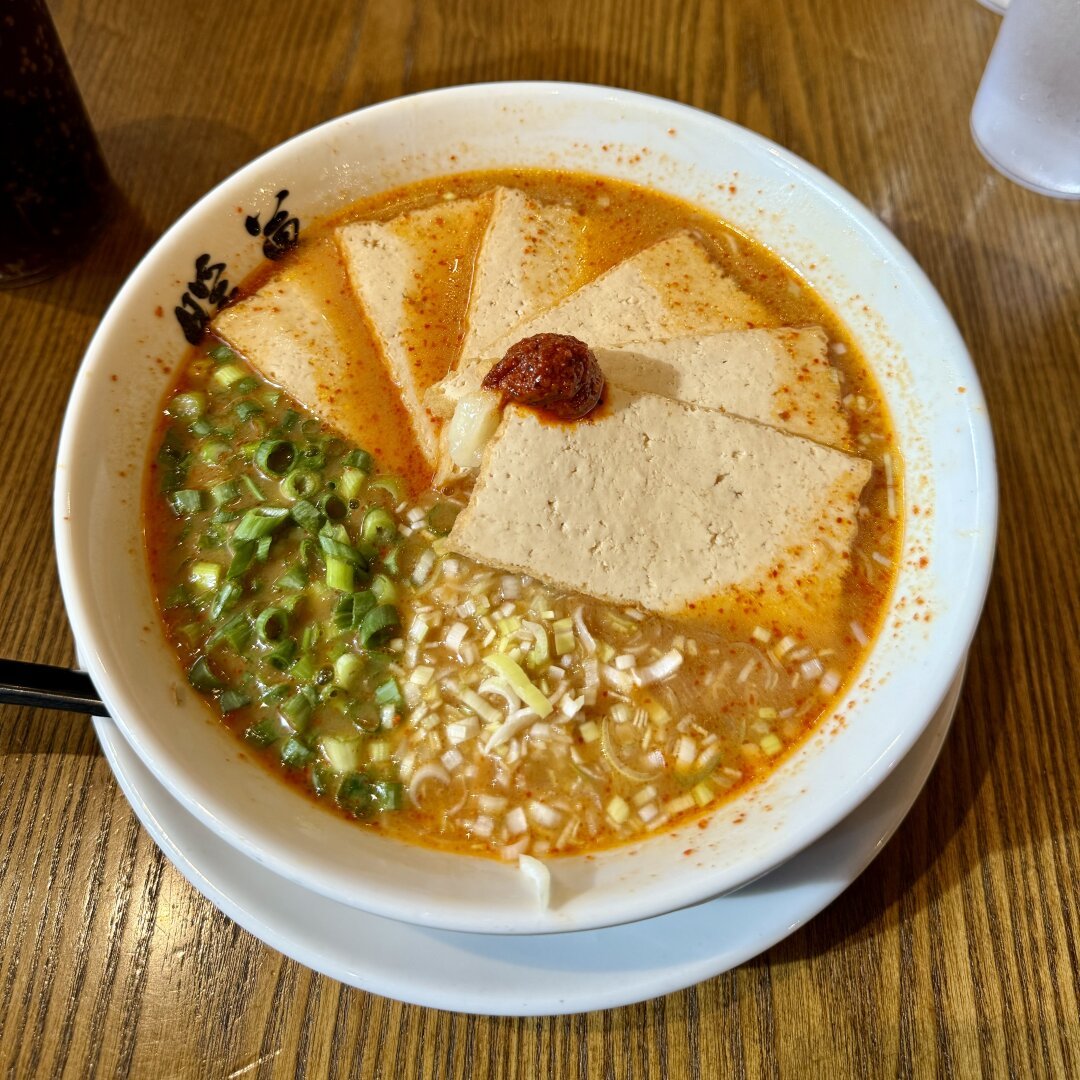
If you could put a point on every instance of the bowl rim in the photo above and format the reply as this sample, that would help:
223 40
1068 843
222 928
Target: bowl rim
935 677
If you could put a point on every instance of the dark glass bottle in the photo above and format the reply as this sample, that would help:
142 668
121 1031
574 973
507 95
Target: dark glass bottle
54 186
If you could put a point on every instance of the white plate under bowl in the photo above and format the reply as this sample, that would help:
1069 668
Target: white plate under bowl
526 975
852 260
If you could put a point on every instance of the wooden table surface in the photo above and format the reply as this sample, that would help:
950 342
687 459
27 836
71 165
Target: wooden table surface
957 952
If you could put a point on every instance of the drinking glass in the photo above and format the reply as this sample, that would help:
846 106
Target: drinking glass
53 181
1026 116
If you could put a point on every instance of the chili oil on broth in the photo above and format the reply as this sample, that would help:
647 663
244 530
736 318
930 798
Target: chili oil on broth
396 737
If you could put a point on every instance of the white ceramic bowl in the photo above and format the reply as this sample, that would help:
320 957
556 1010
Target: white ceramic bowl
857 266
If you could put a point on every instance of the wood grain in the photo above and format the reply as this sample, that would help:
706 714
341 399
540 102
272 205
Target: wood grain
957 952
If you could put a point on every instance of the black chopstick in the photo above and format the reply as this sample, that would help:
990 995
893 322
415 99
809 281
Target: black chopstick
46 687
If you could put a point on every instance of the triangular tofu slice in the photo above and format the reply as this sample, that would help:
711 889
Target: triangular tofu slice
302 331
412 275
669 507
282 332
669 289
778 377
530 258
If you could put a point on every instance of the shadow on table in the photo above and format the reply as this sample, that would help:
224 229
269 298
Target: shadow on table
44 732
160 166
911 871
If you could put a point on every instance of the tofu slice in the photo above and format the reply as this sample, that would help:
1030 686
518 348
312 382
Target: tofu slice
670 289
302 330
778 377
531 257
283 332
411 275
669 507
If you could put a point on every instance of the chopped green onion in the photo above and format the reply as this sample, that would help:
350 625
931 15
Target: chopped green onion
205 576
343 754
221 353
384 589
389 794
231 700
243 555
247 384
342 617
271 624
379 527
540 652
347 670
253 489
306 515
333 506
392 485
177 597
281 655
333 541
229 374
314 456
225 493
213 451
441 518
703 793
296 753
247 408
202 427
236 632
360 459
272 693
297 710
771 745
186 501
189 406
226 596
339 574
300 484
378 752
511 671
379 625
260 521
288 419
294 578
303 669
201 677
274 457
362 603
264 733
352 482
357 795
388 693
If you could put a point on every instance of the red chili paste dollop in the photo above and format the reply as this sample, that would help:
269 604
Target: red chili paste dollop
555 373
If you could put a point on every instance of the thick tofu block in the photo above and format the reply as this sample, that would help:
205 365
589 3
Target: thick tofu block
778 377
411 275
529 259
670 289
662 505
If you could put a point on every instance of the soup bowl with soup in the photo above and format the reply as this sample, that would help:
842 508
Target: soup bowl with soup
524 508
